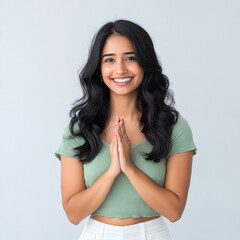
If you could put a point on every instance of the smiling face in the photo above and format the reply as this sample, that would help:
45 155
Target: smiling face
120 70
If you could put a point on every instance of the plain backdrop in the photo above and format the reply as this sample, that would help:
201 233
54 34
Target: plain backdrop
43 44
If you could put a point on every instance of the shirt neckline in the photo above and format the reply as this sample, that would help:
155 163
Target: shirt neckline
132 147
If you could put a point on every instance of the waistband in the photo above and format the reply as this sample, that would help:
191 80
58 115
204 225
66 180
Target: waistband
154 223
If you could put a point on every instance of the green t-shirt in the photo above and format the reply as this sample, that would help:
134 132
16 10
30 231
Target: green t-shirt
122 200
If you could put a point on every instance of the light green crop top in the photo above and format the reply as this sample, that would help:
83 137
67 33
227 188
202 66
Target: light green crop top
122 200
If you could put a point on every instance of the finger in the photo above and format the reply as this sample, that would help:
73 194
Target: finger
115 133
115 141
123 127
114 136
119 142
122 124
117 123
120 132
123 132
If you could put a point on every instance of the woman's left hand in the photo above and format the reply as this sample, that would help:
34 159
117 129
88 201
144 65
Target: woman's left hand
124 146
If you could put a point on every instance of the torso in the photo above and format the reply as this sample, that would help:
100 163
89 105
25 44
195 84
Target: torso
122 221
133 131
136 136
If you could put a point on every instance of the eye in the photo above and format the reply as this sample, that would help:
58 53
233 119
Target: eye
108 59
132 58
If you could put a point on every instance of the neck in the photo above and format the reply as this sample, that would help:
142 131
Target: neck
124 106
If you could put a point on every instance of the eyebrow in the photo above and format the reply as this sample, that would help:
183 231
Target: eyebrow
112 54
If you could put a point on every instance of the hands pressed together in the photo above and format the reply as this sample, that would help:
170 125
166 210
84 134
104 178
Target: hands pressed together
120 149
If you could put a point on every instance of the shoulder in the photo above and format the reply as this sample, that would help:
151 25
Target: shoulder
182 137
67 132
182 125
67 135
181 122
69 143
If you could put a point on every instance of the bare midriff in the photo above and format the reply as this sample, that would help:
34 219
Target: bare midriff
122 221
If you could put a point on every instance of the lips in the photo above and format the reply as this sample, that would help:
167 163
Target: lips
123 83
122 77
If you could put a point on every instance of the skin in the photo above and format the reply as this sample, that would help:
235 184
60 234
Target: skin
169 201
122 98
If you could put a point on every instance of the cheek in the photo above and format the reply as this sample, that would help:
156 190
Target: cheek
141 76
136 68
140 72
106 71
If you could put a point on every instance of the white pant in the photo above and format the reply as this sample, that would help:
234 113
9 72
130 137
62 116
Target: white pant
149 230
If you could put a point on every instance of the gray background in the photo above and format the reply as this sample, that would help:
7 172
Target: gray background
43 44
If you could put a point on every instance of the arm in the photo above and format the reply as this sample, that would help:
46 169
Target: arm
168 201
79 202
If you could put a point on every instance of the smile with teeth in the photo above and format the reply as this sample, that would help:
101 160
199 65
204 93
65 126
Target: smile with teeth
122 80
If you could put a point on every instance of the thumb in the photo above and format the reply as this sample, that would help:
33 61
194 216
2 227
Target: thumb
115 141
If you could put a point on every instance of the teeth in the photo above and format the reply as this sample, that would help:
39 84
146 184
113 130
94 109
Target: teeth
122 80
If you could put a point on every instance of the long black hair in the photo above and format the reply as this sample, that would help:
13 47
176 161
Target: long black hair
91 112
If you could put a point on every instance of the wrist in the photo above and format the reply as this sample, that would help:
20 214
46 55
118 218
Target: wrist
110 174
130 170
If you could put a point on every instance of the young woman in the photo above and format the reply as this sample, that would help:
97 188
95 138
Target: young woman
126 155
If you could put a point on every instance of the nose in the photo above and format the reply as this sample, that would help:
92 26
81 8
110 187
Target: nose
121 68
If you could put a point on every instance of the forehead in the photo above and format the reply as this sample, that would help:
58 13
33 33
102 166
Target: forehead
117 44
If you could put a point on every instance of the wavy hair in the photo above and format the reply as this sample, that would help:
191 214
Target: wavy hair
91 112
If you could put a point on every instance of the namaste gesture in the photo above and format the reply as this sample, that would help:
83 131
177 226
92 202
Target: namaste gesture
121 147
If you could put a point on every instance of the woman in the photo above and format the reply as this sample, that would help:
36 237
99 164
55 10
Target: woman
126 156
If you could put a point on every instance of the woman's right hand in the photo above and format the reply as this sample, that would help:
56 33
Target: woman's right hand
115 167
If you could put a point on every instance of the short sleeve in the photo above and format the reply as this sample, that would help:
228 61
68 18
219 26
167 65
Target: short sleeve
182 138
67 144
